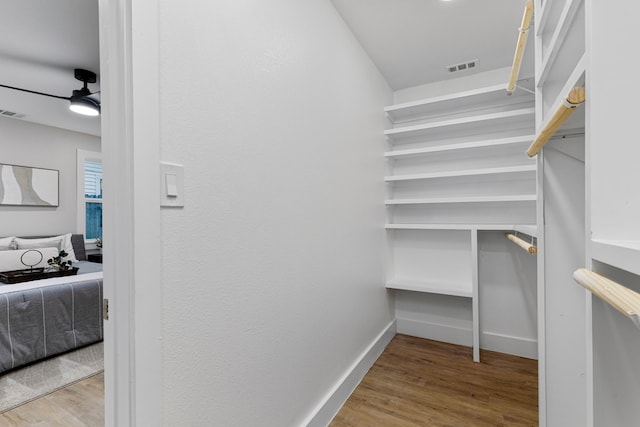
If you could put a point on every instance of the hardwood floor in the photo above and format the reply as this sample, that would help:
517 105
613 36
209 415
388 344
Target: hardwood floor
78 405
418 382
414 383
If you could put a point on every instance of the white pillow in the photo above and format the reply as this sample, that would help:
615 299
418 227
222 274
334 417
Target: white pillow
61 242
10 260
7 243
49 242
68 247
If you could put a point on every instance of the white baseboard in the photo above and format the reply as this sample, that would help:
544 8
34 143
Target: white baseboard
435 331
338 395
518 346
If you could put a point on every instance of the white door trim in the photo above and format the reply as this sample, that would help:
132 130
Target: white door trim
130 145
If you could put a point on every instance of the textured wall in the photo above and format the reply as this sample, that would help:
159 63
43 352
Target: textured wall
273 273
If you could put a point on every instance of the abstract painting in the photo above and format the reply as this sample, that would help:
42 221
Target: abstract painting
27 186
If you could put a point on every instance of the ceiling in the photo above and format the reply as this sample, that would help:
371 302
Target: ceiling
42 43
410 41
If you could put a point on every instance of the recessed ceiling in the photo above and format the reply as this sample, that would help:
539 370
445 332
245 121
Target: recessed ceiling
412 41
42 43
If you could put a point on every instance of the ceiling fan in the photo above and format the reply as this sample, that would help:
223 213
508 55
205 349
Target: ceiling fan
80 101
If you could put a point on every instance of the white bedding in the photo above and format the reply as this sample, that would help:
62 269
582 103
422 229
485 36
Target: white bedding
49 282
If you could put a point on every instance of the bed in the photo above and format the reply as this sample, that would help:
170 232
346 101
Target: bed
43 318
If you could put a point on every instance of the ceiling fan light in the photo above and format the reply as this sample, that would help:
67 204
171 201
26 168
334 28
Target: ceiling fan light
84 105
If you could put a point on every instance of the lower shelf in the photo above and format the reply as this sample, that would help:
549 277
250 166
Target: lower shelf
457 289
527 229
624 254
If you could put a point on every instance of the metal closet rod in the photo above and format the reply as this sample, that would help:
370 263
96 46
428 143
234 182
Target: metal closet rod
520 45
618 296
529 247
575 97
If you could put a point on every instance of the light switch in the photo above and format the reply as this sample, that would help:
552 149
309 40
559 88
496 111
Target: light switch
171 185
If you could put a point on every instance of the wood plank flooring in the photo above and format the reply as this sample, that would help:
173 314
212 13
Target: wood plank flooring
418 382
78 405
415 382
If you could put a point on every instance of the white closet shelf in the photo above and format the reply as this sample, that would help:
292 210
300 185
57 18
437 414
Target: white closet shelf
513 119
576 78
479 227
469 172
623 254
455 102
469 199
562 29
457 289
461 146
542 17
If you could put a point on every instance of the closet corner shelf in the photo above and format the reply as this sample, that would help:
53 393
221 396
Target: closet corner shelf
623 254
542 17
479 227
469 199
456 289
454 102
461 146
469 172
557 39
512 119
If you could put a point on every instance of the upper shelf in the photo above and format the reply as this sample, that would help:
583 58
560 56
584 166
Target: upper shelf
522 118
485 97
460 146
469 172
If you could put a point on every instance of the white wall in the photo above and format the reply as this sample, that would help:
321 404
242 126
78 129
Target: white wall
508 307
29 144
273 273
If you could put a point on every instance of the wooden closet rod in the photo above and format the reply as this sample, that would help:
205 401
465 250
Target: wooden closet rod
575 97
532 249
618 296
522 42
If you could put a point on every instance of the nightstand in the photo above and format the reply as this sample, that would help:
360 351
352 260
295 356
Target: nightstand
95 258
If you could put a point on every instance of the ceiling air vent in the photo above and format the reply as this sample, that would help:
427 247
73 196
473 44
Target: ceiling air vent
12 114
462 66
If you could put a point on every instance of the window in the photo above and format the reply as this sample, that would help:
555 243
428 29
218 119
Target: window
89 174
92 199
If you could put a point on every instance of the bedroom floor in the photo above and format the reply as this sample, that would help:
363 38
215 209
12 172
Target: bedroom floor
418 382
78 405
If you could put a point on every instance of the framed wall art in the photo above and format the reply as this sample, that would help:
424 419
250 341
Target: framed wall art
28 186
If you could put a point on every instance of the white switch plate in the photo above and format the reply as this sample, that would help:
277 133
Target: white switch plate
171 185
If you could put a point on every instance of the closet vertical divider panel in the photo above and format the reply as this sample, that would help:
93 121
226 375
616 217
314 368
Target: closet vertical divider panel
614 206
455 167
560 66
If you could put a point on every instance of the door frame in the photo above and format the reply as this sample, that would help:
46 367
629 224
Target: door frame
129 81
